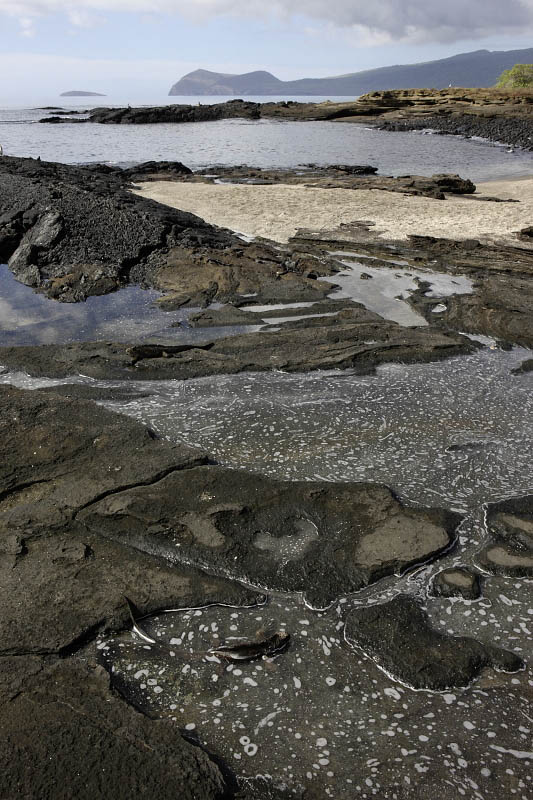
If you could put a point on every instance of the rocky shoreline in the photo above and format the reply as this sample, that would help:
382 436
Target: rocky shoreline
96 507
500 116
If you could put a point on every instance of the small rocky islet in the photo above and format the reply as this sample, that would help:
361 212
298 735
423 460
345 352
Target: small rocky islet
380 594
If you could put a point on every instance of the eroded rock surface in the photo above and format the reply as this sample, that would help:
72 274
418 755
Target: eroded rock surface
321 539
62 730
77 232
510 524
355 338
400 639
335 176
65 734
456 582
59 454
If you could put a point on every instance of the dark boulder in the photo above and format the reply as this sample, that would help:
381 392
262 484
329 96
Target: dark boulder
400 639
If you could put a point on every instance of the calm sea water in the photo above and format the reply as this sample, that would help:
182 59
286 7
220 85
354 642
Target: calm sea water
264 143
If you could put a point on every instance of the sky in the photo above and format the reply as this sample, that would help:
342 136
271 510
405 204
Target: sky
137 49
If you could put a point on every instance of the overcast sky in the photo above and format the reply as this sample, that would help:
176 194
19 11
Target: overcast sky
137 48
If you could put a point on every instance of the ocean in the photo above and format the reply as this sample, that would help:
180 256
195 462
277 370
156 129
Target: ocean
263 143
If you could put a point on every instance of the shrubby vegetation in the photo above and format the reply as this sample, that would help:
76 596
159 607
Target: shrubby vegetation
518 77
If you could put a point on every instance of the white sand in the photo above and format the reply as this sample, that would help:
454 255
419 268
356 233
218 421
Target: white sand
277 212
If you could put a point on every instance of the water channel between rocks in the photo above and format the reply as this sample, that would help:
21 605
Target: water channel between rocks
457 433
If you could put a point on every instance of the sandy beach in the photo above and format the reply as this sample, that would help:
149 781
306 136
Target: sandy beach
277 212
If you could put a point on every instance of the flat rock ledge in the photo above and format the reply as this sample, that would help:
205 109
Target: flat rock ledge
456 582
398 636
63 731
322 539
510 551
354 338
89 514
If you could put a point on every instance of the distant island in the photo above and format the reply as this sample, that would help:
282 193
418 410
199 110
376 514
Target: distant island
479 69
77 93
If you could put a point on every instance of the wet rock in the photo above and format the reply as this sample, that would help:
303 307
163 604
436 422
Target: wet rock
62 585
228 315
66 735
456 582
496 114
261 788
176 113
339 176
500 308
322 539
510 130
398 636
525 366
502 277
356 339
155 170
73 584
510 525
60 453
84 391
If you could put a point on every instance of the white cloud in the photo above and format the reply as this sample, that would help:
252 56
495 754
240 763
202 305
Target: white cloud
377 21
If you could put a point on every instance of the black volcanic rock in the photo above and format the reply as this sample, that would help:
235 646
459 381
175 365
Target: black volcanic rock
65 734
322 539
400 639
79 232
510 525
176 113
355 340
456 582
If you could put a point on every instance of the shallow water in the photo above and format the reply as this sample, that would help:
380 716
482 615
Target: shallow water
385 289
264 143
130 314
323 715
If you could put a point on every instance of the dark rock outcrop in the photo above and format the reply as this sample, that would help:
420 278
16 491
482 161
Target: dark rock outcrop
456 582
176 113
336 176
78 232
64 734
510 525
357 339
62 729
322 539
59 454
400 639
525 366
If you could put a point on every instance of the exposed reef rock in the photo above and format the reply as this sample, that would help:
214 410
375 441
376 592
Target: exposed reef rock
456 582
510 524
176 113
502 275
321 539
61 454
359 339
399 637
336 176
64 734
63 585
525 366
495 114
